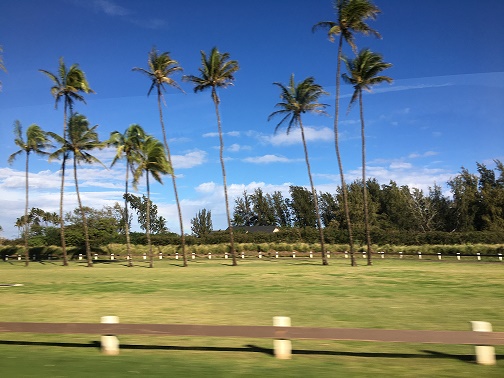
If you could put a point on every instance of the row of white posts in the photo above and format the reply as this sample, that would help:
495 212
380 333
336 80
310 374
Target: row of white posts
226 255
485 355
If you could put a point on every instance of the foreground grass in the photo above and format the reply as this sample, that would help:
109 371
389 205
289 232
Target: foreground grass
399 294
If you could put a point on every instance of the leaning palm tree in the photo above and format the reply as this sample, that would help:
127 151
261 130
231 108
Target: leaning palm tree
298 99
161 66
80 139
68 84
128 145
351 16
154 163
217 71
363 73
36 142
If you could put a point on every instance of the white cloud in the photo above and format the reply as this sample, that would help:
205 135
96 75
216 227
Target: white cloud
266 159
110 8
400 165
214 134
294 137
189 160
235 147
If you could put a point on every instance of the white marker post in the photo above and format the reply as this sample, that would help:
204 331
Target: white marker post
479 256
110 343
260 255
243 255
226 255
96 256
160 255
311 255
485 355
80 256
176 255
500 256
145 256
282 347
193 256
294 255
276 255
400 255
419 255
209 255
111 256
439 255
458 256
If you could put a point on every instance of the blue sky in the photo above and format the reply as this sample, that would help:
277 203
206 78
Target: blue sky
444 110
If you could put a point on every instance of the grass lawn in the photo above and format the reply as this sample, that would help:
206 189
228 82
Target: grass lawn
395 294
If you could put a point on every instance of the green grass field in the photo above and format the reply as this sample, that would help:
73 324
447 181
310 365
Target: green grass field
394 294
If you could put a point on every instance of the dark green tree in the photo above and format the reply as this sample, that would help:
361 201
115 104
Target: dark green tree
201 224
217 71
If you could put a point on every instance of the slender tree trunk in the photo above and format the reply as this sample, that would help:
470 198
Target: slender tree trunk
364 186
126 215
315 199
27 224
62 219
147 224
221 154
338 154
168 154
83 214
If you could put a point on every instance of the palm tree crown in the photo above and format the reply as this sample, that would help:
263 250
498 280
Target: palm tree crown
152 160
364 70
68 84
161 67
216 71
127 144
298 99
36 141
352 15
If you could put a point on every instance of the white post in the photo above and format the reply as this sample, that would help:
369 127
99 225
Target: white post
400 255
485 355
19 257
363 255
111 256
458 256
260 255
311 255
479 256
110 343
276 255
382 255
294 255
500 256
193 256
226 255
6 258
96 256
439 255
282 347
80 256
419 255
209 255
176 255
145 256
243 255
346 254
160 255
328 255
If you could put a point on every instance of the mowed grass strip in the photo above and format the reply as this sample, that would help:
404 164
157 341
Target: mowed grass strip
394 294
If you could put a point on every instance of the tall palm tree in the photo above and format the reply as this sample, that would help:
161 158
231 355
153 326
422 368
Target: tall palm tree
351 16
68 84
127 145
161 66
80 139
154 163
36 142
298 99
217 71
363 73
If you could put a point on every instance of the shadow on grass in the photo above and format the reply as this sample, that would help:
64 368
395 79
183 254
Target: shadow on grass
249 348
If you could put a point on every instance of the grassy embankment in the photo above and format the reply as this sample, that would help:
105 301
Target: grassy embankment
397 294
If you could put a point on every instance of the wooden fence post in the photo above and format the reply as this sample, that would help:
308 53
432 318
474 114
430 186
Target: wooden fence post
282 347
485 355
110 343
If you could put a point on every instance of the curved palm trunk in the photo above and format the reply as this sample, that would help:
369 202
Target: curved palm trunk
147 225
315 199
27 224
62 220
126 216
364 186
221 154
168 154
84 219
338 154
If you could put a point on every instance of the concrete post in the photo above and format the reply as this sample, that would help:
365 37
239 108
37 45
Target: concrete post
243 255
19 257
500 256
209 255
479 256
282 347
458 256
328 255
112 256
160 255
294 254
311 255
176 255
145 256
110 343
96 256
226 255
485 355
260 255
80 256
193 256
276 255
419 255
439 255
400 255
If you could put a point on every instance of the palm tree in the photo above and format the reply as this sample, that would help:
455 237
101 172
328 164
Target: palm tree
161 66
363 73
128 145
351 15
80 139
217 71
69 84
298 99
154 163
36 142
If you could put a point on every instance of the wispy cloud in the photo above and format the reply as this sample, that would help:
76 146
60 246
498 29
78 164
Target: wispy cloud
312 134
110 8
230 133
189 160
266 159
